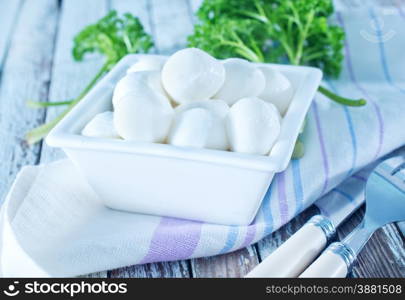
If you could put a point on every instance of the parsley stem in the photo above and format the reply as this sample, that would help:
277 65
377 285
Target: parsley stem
299 150
340 99
39 104
40 132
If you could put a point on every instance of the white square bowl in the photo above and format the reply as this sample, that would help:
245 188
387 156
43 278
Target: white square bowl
198 184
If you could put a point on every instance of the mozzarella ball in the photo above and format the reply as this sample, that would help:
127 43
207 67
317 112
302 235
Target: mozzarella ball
242 79
191 128
191 75
217 137
253 126
138 83
147 63
101 126
144 117
278 89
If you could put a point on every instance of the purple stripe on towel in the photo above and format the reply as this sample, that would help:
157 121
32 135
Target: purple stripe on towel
363 91
298 188
173 239
325 162
360 177
266 208
400 9
282 198
250 235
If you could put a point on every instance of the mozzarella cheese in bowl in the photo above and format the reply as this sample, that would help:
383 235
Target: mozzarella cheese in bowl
101 126
191 128
253 126
242 79
201 89
144 117
217 137
277 90
147 63
191 75
138 83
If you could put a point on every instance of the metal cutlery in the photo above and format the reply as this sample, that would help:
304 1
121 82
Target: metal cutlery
385 203
300 250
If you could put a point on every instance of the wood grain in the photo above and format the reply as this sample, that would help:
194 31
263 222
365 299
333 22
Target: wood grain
8 17
172 23
26 75
70 77
234 264
401 227
177 269
195 4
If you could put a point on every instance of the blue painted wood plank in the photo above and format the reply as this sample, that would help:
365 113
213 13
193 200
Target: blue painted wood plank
8 18
26 75
70 77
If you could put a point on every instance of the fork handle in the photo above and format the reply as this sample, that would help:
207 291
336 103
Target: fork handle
292 257
334 262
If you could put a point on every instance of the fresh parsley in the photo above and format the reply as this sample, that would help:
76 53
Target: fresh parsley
113 37
280 31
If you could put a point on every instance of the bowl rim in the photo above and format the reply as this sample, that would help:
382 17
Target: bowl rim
278 159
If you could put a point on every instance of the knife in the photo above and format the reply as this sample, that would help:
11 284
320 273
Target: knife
299 251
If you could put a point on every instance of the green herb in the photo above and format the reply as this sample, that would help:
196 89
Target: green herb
293 31
37 104
342 100
299 150
111 36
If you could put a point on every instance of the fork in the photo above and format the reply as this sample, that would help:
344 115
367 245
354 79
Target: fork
385 203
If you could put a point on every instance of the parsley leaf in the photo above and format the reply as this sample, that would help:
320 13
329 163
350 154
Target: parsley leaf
278 31
111 36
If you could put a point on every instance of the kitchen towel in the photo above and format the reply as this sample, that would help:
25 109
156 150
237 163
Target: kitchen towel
52 223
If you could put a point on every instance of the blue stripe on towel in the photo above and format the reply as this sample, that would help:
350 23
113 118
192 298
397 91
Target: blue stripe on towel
344 194
230 239
383 55
353 78
351 130
268 218
322 144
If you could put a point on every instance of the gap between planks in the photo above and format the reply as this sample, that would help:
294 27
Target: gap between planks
26 75
8 15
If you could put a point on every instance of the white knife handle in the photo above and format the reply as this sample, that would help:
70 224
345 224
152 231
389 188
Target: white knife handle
334 262
292 257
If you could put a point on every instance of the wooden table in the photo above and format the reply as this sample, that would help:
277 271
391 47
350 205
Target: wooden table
36 63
